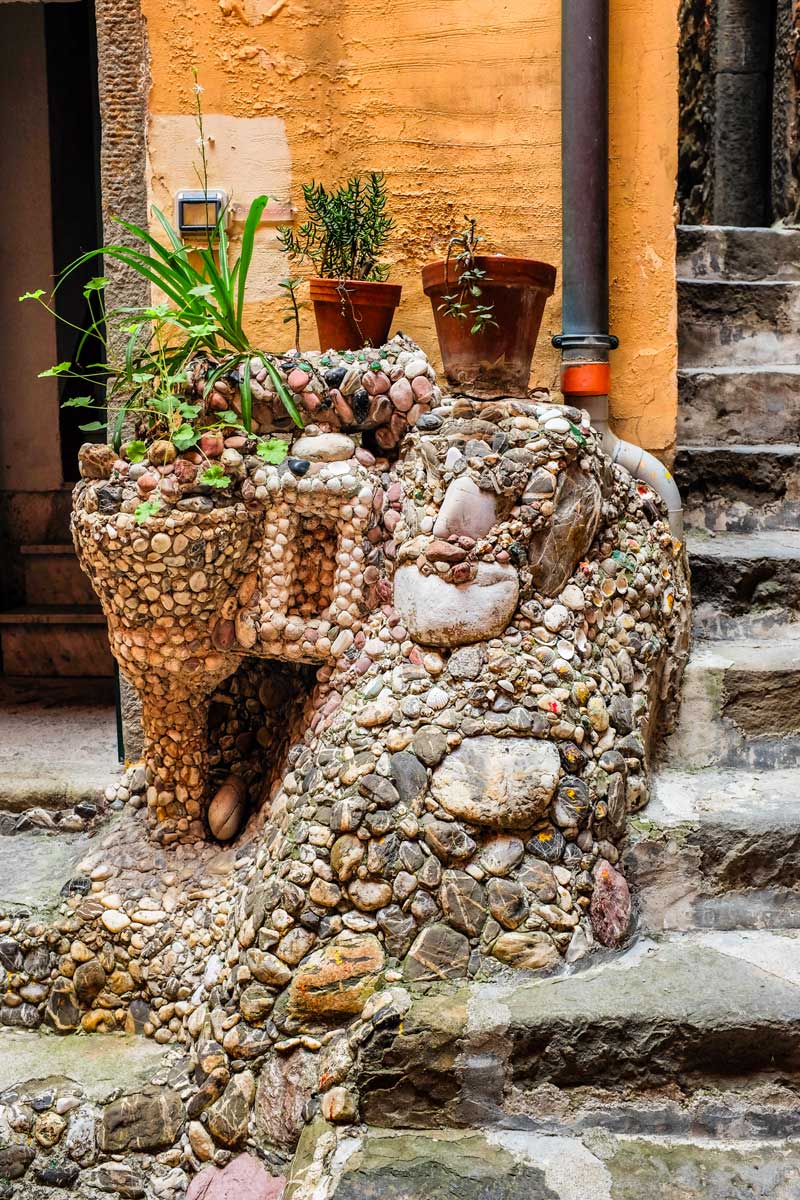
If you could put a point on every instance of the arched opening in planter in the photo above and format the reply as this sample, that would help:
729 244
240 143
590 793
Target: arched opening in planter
255 716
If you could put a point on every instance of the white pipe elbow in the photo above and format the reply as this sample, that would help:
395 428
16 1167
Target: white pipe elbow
645 466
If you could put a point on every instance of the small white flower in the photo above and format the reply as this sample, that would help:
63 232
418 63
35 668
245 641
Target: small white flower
198 89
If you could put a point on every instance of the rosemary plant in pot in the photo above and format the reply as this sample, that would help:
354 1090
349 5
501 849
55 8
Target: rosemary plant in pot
342 237
488 310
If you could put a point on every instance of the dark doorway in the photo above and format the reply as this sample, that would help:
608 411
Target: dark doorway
52 632
75 190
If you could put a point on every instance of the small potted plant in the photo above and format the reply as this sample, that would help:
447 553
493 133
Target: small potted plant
345 231
488 309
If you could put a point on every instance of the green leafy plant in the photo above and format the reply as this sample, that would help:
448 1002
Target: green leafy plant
290 285
464 303
273 451
201 319
214 476
147 508
345 231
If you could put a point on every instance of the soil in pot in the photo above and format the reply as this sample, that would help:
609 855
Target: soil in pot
352 313
497 360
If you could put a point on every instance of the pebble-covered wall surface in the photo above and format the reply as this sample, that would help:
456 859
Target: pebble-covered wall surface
412 684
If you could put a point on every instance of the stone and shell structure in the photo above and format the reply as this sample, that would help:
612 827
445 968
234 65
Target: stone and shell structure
412 683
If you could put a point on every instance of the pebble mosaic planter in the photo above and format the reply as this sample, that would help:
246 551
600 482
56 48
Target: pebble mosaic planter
415 694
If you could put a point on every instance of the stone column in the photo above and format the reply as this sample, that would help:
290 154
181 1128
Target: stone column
786 114
123 81
696 112
176 753
742 71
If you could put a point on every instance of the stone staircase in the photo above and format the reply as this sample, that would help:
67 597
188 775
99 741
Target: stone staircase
719 845
57 631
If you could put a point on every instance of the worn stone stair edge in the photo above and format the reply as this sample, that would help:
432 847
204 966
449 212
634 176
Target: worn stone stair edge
667 1008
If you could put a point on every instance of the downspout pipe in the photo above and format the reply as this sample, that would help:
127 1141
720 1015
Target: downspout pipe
585 342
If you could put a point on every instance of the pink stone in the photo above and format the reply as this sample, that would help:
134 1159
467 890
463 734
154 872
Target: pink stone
611 904
362 665
212 444
378 382
401 395
364 457
298 380
391 520
421 387
216 403
237 442
185 471
399 426
394 492
147 482
170 489
341 407
386 438
243 1179
415 657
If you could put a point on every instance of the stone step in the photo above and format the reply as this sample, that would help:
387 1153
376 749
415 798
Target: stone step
745 487
53 575
52 690
34 867
54 754
524 1163
729 405
690 1005
744 584
740 704
733 252
718 849
55 640
738 323
101 1066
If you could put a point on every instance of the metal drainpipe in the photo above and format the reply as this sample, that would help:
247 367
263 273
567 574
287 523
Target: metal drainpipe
585 341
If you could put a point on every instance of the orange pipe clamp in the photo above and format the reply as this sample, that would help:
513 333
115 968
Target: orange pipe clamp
586 379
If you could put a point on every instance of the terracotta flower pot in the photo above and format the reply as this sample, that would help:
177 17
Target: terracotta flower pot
496 361
352 313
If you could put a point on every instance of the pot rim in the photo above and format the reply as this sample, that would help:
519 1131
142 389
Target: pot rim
372 291
501 271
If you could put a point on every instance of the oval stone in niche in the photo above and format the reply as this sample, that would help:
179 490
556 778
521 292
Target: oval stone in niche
505 783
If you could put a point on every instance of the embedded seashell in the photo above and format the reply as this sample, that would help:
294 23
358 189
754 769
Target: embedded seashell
565 649
227 811
352 381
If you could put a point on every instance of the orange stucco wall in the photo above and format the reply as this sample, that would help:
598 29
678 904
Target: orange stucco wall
458 102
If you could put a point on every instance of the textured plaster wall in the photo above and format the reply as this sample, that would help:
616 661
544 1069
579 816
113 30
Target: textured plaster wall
458 102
